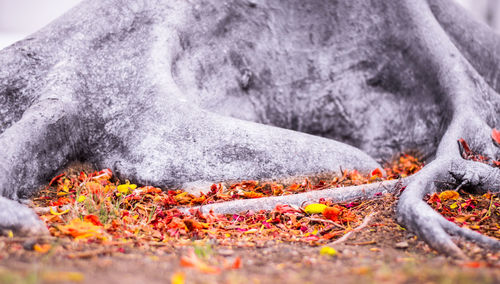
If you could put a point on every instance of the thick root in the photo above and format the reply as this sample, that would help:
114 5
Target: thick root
429 225
19 219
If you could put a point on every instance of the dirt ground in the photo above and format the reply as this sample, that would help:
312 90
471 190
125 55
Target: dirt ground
382 252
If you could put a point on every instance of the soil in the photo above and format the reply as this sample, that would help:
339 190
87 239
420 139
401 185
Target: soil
382 252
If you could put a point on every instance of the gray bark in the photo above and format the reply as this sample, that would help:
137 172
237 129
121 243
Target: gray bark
172 92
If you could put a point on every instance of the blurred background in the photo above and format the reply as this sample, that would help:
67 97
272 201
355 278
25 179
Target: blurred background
19 18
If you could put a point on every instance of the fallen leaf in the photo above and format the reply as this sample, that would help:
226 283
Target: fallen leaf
94 187
328 251
236 263
191 260
332 213
56 213
253 194
126 188
315 208
93 219
178 278
79 229
44 248
449 194
377 173
495 135
472 264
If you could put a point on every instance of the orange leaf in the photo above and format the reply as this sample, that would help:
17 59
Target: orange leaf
95 187
236 263
79 229
194 225
42 248
332 213
449 194
355 175
253 194
495 134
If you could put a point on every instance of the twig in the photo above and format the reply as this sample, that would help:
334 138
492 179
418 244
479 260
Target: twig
357 229
363 243
326 221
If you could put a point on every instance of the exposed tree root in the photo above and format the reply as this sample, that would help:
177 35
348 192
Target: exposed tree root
434 229
340 194
19 219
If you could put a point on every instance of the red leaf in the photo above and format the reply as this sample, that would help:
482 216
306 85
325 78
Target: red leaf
495 134
464 148
55 179
92 219
236 263
377 173
472 264
332 213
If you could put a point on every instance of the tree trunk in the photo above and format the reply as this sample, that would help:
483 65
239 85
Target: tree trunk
170 93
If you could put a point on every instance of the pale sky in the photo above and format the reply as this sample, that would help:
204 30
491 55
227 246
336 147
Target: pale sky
19 18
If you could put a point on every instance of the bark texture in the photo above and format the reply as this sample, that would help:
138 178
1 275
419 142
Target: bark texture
172 93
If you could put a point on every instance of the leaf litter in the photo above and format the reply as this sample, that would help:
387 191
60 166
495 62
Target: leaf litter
89 209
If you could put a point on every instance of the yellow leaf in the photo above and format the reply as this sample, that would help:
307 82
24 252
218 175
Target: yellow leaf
454 205
315 208
81 198
177 278
449 194
126 188
10 234
328 251
54 212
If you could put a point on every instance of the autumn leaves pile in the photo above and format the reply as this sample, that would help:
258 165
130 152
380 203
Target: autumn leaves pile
97 208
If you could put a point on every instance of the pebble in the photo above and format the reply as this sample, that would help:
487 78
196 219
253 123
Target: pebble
402 245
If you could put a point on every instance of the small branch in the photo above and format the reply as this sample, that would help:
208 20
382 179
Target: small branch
326 221
372 242
357 229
